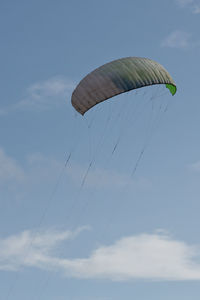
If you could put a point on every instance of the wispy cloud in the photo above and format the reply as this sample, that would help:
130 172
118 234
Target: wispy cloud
177 39
195 166
38 168
104 178
193 5
196 8
43 95
184 3
10 170
31 248
144 256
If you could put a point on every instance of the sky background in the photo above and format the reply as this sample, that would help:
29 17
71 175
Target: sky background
108 235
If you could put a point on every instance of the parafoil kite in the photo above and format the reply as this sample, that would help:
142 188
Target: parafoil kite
116 77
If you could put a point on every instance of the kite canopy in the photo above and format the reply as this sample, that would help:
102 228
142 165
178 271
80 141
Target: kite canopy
116 77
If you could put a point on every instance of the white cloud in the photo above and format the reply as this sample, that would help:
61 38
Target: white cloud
177 39
32 248
144 256
10 170
193 5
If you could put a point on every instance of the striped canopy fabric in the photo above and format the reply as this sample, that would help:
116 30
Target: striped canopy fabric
116 77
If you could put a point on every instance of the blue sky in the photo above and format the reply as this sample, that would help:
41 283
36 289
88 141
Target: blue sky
117 236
